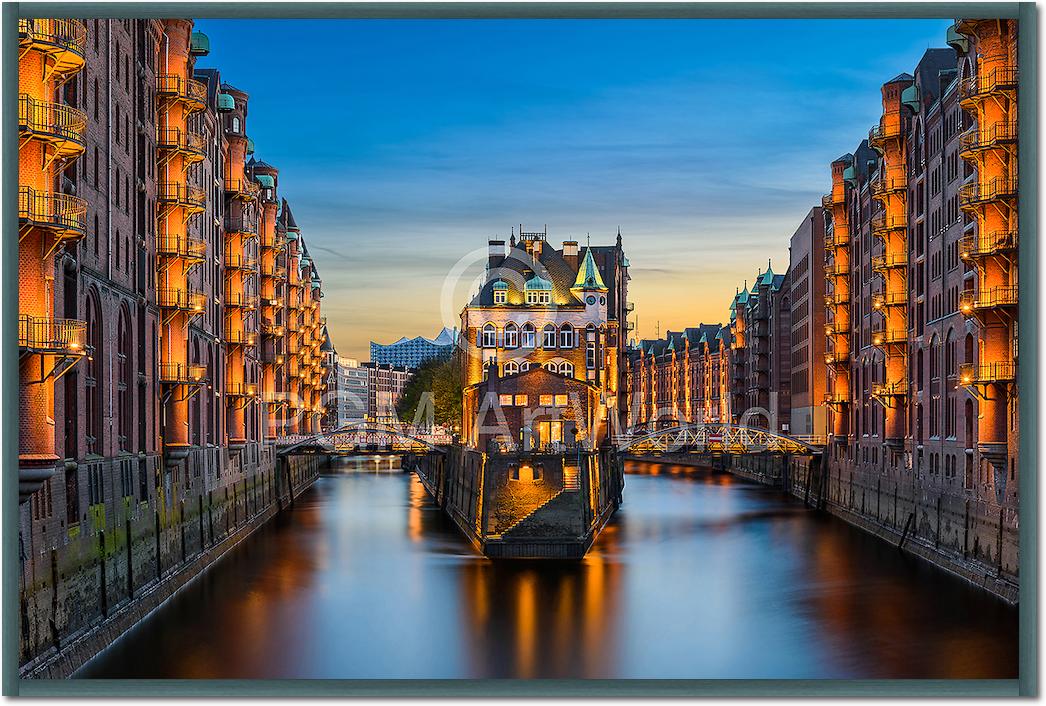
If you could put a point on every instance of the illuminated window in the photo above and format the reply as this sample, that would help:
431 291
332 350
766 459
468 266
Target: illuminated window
524 366
561 400
505 400
566 369
552 367
566 336
489 336
546 400
511 367
511 335
548 337
500 296
529 334
590 355
521 400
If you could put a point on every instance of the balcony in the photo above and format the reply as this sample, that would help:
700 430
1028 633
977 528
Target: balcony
241 301
836 299
836 399
977 246
827 201
241 224
182 374
63 40
971 374
883 186
837 269
242 189
889 127
181 299
272 330
192 198
882 335
1002 79
882 224
239 337
64 215
982 138
971 301
241 389
889 261
190 145
836 237
997 189
274 398
240 261
189 91
898 388
835 328
41 334
186 247
272 358
837 357
60 126
887 299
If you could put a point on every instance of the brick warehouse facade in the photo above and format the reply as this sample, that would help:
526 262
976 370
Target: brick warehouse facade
169 322
917 271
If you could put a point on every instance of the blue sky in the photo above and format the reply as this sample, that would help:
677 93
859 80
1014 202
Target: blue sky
403 145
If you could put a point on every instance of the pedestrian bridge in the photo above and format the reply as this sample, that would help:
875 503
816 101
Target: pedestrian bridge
714 438
363 437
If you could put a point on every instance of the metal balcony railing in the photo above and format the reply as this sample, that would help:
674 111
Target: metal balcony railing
190 91
836 357
181 246
243 188
890 389
882 335
64 214
999 79
836 298
187 195
883 186
241 389
241 301
64 39
61 125
883 300
889 261
836 399
980 138
889 127
834 328
971 301
974 373
182 299
974 246
239 261
837 269
191 144
241 224
182 373
42 334
881 223
273 358
993 190
239 337
827 201
836 237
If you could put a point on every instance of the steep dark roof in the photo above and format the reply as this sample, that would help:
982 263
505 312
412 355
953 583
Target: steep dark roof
286 217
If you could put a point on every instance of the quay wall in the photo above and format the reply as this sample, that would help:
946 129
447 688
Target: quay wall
94 582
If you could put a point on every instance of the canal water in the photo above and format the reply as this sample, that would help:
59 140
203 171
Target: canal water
699 575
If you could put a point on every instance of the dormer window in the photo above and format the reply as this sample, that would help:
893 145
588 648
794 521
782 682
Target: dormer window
501 292
538 291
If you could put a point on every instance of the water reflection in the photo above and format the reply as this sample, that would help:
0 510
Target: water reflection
699 575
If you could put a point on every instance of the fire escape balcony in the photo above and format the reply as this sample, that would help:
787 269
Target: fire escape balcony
977 246
971 374
827 201
269 329
62 214
885 130
835 328
882 224
241 389
837 269
883 186
61 126
883 300
897 388
239 337
181 299
837 358
241 224
273 358
63 40
240 261
189 91
239 300
182 374
836 299
883 335
190 145
836 399
971 301
982 138
43 334
834 238
192 198
1002 79
889 261
244 188
999 188
183 246
274 242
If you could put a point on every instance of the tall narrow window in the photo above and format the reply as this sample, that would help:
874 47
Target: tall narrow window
548 338
489 339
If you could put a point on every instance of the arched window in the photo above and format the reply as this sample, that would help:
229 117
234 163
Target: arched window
566 369
524 366
236 124
528 335
551 366
566 336
511 335
93 380
511 367
489 339
124 362
548 339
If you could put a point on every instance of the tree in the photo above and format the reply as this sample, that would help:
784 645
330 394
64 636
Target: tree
440 378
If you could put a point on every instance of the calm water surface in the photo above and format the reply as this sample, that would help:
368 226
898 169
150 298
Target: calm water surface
698 576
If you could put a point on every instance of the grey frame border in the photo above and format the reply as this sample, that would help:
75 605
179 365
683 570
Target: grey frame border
1026 685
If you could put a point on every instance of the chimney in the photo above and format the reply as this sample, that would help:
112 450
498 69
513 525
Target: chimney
495 253
570 253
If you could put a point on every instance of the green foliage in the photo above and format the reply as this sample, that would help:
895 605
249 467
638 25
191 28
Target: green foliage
441 378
